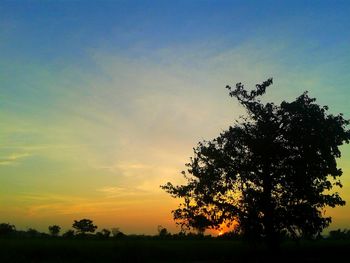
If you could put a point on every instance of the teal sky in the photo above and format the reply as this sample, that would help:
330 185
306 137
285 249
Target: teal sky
102 101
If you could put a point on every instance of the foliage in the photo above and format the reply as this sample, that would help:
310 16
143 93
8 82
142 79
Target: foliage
339 234
31 232
54 230
271 173
7 229
68 234
84 226
104 233
162 231
117 233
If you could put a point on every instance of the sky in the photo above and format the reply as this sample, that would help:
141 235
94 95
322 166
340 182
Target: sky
101 102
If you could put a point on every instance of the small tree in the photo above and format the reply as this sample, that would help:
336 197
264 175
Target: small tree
117 233
7 229
54 230
105 232
271 173
162 231
84 226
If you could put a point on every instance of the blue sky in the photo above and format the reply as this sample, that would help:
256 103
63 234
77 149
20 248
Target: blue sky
102 101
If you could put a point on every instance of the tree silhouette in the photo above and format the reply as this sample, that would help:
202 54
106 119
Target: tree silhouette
104 233
271 173
31 232
117 233
339 234
68 234
54 230
7 229
162 231
84 226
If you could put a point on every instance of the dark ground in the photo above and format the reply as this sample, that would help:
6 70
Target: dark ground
157 250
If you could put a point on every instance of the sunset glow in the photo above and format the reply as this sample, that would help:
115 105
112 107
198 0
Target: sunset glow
102 102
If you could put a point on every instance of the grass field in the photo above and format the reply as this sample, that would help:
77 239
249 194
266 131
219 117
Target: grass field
211 250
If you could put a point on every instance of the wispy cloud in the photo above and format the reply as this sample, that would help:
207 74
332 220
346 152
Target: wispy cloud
127 169
48 204
115 191
114 199
116 134
14 158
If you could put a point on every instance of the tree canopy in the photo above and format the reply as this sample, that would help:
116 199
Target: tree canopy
271 173
6 229
84 226
54 230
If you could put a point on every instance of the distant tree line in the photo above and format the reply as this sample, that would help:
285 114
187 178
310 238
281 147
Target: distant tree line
81 228
85 228
339 234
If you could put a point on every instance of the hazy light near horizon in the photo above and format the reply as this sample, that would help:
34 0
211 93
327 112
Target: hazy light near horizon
96 114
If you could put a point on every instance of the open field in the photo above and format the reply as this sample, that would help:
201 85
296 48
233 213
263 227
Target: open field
211 250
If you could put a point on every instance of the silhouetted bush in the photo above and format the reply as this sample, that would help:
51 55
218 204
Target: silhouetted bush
7 229
68 234
31 232
117 233
163 232
54 230
231 235
339 234
104 233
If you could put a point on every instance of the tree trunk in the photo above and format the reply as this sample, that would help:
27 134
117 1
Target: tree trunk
271 235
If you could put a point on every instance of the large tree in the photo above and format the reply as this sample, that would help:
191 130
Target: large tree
270 173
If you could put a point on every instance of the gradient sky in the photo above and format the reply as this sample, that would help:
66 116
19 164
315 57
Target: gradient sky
102 101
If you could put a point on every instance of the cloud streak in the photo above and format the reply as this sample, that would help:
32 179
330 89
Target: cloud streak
105 128
13 159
